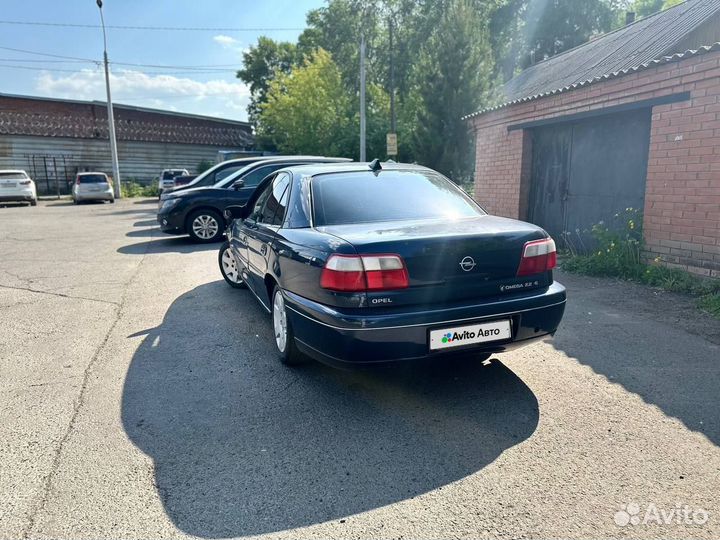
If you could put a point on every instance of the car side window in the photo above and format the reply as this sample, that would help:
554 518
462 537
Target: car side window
224 173
260 203
273 211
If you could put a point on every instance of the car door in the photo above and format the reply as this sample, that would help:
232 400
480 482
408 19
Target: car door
262 233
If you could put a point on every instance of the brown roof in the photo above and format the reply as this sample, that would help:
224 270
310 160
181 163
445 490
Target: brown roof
23 115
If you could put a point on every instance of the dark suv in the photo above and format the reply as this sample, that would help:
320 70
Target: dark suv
198 212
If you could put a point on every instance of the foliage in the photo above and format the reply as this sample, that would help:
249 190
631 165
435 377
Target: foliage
261 63
528 31
616 250
131 189
643 8
203 166
618 254
307 110
448 90
449 59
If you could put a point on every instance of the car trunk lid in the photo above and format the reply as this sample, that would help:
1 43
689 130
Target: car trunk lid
448 260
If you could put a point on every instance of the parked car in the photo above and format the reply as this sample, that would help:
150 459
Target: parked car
17 186
219 172
184 179
92 186
362 264
167 178
198 212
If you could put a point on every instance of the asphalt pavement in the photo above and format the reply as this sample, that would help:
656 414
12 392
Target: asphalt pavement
141 397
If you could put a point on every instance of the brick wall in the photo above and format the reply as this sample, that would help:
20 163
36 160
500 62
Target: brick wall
682 202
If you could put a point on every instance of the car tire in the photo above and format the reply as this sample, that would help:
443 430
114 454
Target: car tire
112 201
33 202
205 226
229 267
283 331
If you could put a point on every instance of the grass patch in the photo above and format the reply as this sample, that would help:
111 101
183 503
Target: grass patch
617 253
132 189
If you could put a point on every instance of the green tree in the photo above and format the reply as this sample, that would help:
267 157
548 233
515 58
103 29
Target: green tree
260 65
307 111
453 76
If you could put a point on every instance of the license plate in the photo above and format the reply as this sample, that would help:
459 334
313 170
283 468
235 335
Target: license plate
8 185
470 334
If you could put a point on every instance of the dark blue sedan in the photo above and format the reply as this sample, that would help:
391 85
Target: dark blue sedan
371 263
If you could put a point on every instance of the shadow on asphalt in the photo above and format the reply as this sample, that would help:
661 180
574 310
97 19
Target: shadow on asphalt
173 244
664 365
243 445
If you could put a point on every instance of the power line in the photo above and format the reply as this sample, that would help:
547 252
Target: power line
154 28
131 64
194 72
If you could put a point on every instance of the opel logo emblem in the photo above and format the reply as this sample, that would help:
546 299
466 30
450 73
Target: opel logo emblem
467 264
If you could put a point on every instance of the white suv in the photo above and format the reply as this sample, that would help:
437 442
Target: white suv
17 186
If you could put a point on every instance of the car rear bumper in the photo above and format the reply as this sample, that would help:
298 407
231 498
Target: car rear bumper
94 196
343 339
17 197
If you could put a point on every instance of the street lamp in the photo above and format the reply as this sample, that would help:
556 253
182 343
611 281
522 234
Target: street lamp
111 118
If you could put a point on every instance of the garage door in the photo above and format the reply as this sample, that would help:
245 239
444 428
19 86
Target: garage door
586 172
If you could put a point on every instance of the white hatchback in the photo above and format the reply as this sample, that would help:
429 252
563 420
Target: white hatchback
17 186
92 186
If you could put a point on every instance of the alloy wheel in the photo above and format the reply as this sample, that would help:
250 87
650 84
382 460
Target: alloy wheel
230 267
280 321
205 227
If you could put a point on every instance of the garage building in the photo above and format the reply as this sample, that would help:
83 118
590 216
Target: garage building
629 119
53 139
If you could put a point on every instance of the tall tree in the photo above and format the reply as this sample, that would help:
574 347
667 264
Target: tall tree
453 77
261 62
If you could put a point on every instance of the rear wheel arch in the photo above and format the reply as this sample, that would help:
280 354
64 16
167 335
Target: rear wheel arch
270 284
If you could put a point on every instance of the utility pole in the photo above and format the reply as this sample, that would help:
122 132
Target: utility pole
111 118
363 156
393 120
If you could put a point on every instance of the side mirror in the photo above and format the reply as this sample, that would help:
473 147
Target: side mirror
234 212
238 184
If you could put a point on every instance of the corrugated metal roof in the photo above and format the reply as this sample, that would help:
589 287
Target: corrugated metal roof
635 46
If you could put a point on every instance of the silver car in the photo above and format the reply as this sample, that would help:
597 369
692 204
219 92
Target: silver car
92 186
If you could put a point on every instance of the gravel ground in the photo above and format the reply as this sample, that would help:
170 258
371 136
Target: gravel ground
141 398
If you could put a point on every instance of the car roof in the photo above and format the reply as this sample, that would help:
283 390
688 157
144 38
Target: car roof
290 159
12 171
325 168
91 172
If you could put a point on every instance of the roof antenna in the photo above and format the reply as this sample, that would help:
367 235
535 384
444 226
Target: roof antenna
375 166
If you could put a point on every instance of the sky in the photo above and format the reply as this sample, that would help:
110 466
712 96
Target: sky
200 78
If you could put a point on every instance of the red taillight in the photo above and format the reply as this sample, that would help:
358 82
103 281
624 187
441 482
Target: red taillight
538 256
25 183
359 273
77 180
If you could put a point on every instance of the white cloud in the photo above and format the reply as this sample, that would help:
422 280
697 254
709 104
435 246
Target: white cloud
157 91
226 41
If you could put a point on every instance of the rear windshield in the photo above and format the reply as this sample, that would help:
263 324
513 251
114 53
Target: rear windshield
361 197
92 178
13 176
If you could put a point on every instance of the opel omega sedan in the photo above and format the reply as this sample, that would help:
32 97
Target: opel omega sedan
371 263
